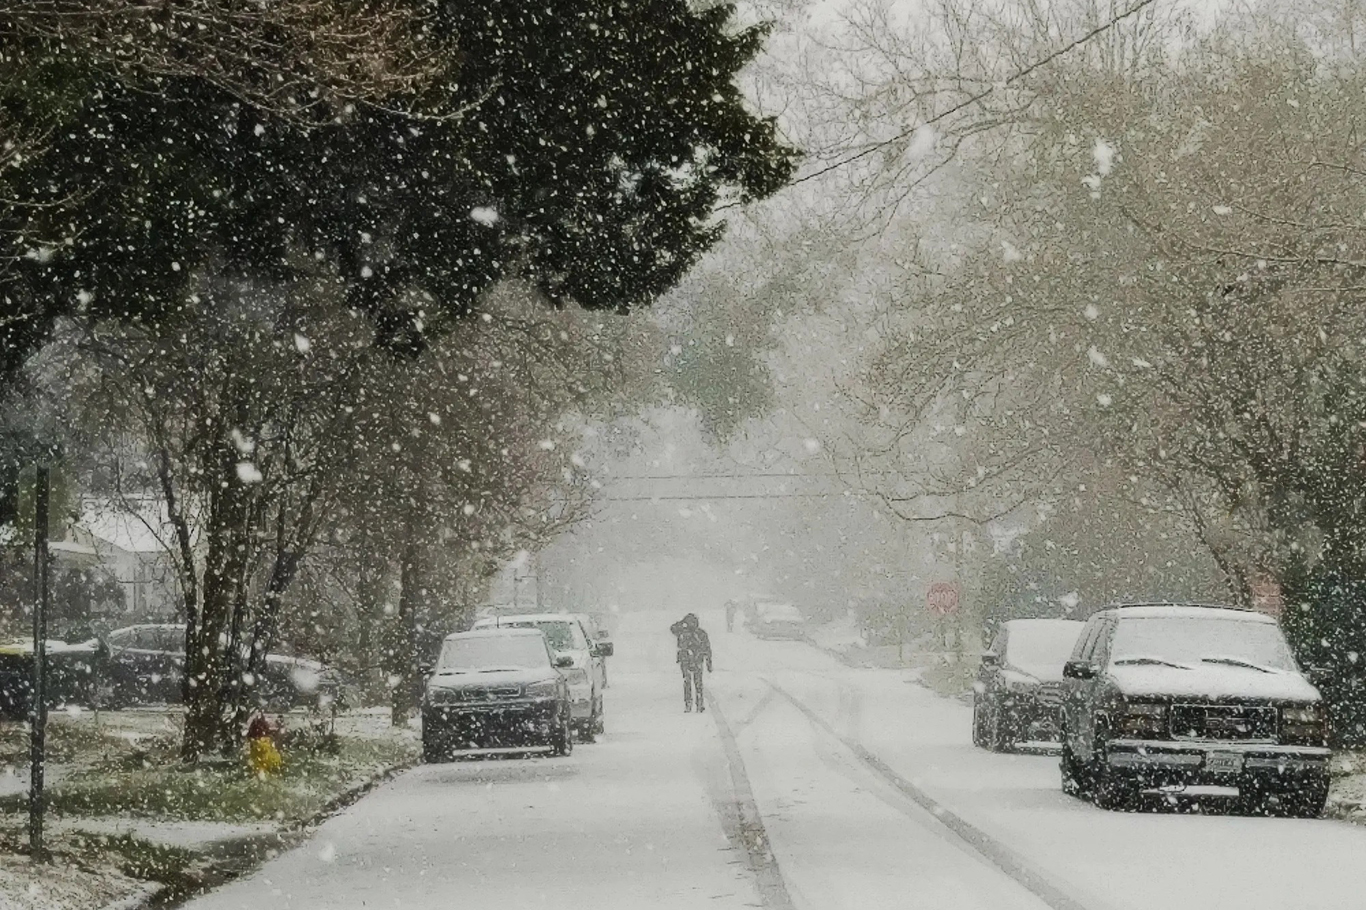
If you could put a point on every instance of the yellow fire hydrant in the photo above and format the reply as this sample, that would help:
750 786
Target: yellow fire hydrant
263 756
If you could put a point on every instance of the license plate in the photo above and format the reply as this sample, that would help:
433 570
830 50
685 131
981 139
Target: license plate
1224 763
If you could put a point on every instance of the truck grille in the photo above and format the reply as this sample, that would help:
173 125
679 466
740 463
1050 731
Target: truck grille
1224 722
488 693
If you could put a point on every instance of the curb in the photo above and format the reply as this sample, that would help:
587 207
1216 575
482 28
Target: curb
138 899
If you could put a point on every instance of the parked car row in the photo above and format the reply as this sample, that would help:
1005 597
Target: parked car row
1161 700
515 682
145 665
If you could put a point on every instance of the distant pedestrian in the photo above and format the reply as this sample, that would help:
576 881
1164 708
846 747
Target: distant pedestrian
730 616
694 652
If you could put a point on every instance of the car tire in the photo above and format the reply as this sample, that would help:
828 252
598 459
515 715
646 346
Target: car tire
1075 780
1304 802
979 723
562 738
434 750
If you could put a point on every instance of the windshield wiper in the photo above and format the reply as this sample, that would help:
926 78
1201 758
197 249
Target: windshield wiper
500 669
1237 662
1157 661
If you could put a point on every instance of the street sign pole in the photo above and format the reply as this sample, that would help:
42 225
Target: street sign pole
38 709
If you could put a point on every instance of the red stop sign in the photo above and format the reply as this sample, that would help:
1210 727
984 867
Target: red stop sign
942 598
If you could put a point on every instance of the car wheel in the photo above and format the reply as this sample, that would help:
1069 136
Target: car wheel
434 749
1075 781
562 738
1305 802
979 723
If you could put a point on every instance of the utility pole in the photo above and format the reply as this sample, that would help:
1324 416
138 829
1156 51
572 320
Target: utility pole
38 711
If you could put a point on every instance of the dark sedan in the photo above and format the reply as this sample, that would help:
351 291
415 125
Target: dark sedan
147 666
73 671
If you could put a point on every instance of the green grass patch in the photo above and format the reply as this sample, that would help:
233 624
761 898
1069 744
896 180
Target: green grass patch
155 787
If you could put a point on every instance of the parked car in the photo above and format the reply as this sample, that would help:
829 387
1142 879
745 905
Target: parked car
497 688
147 666
73 671
568 638
1018 695
1167 697
599 636
777 621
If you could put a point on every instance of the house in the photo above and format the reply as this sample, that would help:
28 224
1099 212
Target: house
132 539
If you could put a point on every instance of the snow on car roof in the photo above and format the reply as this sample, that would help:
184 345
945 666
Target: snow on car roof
494 632
1199 611
526 617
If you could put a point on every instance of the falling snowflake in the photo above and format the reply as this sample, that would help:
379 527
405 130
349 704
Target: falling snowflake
488 217
1104 155
248 472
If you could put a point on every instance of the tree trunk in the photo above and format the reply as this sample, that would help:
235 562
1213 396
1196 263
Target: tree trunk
208 665
403 668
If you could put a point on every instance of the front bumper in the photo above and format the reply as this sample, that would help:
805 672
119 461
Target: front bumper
1033 717
491 725
1256 766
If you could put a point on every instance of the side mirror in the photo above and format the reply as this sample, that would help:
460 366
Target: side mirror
1078 669
604 649
564 662
425 668
990 660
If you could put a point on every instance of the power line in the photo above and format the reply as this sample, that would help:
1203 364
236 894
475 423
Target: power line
973 99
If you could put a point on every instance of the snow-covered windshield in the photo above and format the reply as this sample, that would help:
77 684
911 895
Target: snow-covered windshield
1041 643
493 652
562 634
1186 641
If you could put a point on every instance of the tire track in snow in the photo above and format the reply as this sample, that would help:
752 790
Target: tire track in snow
989 848
749 829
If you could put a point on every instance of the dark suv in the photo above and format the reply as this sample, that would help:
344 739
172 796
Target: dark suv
1018 694
497 688
1164 698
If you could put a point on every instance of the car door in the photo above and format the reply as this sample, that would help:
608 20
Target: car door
1091 693
1076 725
599 662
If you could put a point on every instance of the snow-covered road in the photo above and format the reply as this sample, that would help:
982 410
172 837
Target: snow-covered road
865 784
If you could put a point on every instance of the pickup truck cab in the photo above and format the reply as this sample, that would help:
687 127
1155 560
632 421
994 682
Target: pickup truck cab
1165 698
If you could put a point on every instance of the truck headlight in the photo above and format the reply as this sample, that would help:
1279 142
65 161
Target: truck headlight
1142 719
1304 724
541 689
437 696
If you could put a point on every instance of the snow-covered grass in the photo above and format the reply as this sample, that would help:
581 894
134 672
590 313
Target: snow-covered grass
82 874
154 784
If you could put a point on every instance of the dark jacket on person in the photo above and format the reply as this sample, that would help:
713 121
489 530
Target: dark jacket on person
694 645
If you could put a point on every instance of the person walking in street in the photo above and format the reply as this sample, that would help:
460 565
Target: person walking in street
730 615
694 652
